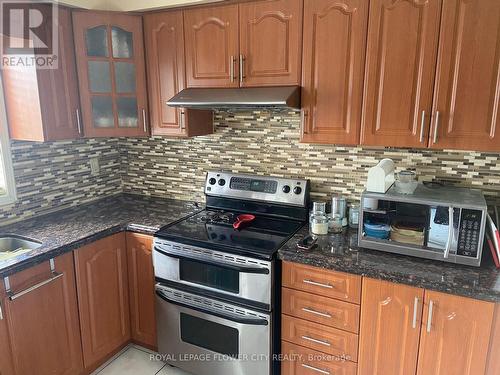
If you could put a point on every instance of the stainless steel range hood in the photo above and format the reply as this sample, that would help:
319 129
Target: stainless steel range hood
244 98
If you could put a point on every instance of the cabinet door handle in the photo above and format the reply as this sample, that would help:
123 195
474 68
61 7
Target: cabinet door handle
232 60
429 317
182 120
315 283
316 341
415 311
1 311
144 120
436 127
79 122
242 68
315 369
312 311
54 277
422 127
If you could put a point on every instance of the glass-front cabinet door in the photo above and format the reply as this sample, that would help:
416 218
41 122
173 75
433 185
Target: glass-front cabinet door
111 72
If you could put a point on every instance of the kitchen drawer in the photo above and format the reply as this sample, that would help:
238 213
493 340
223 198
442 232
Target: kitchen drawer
302 361
327 311
319 337
322 282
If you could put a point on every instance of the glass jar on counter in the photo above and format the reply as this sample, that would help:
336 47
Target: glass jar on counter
354 215
318 220
335 224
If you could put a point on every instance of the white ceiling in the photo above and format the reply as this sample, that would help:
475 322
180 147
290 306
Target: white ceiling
131 5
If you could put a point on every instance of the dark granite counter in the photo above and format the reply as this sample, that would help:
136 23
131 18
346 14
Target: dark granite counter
341 253
71 228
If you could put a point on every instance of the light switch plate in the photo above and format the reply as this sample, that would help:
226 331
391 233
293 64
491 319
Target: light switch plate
95 168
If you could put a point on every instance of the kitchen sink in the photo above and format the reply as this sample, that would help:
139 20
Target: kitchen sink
13 243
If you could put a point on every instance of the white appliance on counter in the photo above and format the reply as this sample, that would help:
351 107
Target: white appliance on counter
380 177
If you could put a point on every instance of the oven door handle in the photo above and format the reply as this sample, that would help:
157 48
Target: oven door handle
232 318
242 269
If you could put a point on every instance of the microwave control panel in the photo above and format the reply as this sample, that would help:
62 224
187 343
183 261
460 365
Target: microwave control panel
470 229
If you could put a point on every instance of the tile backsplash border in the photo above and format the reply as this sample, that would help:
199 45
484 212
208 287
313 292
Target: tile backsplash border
55 175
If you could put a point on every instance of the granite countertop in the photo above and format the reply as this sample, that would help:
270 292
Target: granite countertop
71 228
341 253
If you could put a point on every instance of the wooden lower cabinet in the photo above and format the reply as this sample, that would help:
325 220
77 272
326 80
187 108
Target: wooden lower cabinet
455 335
103 296
390 328
43 321
298 360
405 330
6 363
493 365
141 289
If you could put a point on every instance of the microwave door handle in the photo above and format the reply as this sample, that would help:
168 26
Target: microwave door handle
219 314
451 229
242 269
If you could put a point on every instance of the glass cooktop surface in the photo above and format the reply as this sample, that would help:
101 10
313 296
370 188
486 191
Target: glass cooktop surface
213 229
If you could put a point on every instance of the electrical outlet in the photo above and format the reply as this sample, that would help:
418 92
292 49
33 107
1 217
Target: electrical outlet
94 166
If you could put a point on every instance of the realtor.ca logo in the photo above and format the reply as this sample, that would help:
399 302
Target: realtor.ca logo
29 34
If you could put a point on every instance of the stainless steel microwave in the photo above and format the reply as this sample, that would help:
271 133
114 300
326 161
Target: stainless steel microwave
435 222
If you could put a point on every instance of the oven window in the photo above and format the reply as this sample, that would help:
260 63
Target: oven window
208 275
209 335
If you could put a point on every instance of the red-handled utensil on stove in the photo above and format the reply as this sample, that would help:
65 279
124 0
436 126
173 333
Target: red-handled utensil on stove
243 220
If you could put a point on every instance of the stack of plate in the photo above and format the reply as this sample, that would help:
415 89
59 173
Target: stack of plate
381 231
405 233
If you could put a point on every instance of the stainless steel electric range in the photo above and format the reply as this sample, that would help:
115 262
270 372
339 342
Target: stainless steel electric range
216 299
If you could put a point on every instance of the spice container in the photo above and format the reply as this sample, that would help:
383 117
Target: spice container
354 215
335 225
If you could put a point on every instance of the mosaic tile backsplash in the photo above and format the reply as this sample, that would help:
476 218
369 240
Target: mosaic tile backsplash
268 143
55 175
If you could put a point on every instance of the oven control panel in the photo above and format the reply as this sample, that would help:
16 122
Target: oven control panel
469 233
270 189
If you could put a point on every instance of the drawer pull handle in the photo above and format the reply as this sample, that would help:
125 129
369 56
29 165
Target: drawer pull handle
316 341
315 369
54 277
312 311
310 282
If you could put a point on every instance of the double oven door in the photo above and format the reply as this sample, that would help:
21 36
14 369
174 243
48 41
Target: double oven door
246 280
214 310
209 337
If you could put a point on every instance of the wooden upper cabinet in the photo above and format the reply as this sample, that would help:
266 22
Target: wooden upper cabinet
111 72
141 289
42 319
455 335
399 73
102 282
270 42
334 44
44 104
390 328
166 77
467 92
211 37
